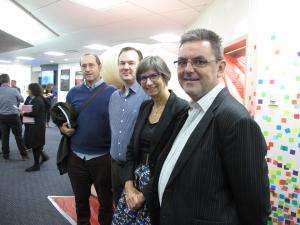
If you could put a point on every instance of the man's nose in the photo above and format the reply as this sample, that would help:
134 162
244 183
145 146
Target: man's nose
189 67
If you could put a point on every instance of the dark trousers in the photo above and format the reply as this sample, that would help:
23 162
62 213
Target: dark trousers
84 173
12 122
116 179
37 151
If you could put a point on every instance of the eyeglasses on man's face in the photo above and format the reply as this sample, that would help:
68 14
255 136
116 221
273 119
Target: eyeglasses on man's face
153 77
196 62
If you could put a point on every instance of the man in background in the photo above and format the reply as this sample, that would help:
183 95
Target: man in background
89 160
13 84
124 107
10 98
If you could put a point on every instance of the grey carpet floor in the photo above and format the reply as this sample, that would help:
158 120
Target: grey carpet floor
23 195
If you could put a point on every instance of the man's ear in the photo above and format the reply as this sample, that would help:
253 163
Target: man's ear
221 68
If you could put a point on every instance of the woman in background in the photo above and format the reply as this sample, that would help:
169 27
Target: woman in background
34 135
154 125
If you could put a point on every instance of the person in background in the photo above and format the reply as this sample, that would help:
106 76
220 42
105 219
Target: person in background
49 95
155 122
213 170
13 84
124 106
10 98
34 134
89 160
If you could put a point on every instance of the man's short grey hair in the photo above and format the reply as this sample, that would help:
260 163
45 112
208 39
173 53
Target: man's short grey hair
205 35
4 78
92 54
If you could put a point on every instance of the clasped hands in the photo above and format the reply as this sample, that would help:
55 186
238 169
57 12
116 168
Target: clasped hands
134 198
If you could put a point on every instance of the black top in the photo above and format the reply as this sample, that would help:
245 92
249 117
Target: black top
146 137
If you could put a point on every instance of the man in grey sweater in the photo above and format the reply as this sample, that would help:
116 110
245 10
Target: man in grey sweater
10 98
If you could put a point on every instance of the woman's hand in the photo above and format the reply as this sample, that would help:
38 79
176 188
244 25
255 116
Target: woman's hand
134 198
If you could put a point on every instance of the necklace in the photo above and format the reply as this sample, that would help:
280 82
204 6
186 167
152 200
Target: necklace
156 113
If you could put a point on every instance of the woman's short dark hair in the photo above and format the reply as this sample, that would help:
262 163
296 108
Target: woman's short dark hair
155 63
205 35
35 89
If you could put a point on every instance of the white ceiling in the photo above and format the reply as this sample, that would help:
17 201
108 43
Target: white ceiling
134 21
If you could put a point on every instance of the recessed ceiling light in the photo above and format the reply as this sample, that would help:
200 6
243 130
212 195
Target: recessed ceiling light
25 58
97 47
166 37
54 53
31 31
4 61
99 4
66 60
52 61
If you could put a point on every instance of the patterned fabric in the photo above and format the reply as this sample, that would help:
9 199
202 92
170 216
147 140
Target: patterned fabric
125 216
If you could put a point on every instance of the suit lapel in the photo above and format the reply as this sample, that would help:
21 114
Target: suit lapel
165 119
193 142
141 123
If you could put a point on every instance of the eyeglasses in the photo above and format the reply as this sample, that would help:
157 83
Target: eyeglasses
196 63
153 77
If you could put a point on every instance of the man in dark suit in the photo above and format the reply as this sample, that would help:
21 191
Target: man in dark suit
213 170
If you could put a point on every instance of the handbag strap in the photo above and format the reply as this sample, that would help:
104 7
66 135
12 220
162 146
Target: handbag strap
100 89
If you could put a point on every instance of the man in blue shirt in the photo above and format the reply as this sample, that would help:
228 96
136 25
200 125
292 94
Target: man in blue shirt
89 160
123 110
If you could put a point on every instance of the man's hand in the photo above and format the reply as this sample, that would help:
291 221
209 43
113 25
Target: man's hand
67 131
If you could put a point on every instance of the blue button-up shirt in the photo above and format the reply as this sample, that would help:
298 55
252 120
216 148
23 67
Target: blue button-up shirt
123 111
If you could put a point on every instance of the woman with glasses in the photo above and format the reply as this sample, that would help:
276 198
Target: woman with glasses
156 120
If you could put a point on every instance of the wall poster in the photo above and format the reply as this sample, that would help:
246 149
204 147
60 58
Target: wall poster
65 80
78 77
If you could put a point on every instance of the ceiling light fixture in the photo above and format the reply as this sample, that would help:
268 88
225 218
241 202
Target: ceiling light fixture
166 37
4 61
25 58
97 47
17 21
99 4
53 53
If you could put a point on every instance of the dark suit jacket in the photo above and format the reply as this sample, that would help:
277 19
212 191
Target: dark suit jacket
175 108
221 176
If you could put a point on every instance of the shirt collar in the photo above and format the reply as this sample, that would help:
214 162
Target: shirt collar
132 89
206 101
95 84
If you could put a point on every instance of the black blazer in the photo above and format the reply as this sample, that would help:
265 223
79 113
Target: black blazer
175 108
221 176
